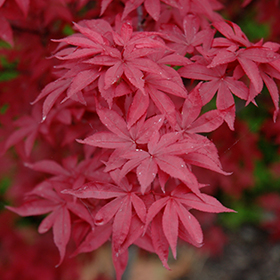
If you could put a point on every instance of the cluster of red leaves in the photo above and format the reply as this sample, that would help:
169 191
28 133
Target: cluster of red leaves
20 241
126 91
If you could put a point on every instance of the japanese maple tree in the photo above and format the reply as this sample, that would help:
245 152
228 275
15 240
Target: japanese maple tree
120 113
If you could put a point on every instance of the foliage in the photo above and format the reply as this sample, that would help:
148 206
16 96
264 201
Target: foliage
129 114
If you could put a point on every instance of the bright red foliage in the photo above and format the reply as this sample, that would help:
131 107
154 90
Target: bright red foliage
117 127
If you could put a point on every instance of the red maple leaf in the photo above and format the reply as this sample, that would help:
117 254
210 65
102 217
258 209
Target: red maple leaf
177 220
45 198
121 138
191 123
249 58
119 209
123 56
29 127
131 61
217 81
186 41
163 152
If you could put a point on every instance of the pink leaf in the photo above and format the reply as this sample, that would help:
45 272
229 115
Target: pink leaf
172 165
208 204
191 108
160 242
164 104
113 74
79 210
224 98
81 80
120 262
48 222
51 98
121 223
108 211
139 207
208 122
126 31
137 108
238 88
96 238
135 232
222 57
135 76
106 140
104 5
190 223
154 209
150 126
48 166
147 65
91 34
77 53
170 226
146 173
96 190
114 122
153 8
197 72
33 207
199 158
262 55
61 231
79 40
137 158
252 71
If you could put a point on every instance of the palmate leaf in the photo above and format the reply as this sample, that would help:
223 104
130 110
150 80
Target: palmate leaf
232 31
172 212
61 230
163 152
122 136
121 209
29 128
59 220
138 108
159 240
248 58
170 225
225 86
46 198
